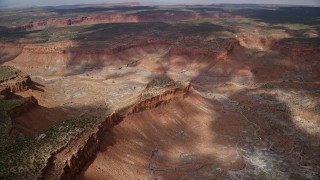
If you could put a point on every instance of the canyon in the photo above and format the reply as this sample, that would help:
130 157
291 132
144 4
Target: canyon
118 18
168 92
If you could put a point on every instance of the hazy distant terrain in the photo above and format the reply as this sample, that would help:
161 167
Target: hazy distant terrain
29 3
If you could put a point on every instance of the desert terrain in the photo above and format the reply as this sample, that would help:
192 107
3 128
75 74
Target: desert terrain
126 91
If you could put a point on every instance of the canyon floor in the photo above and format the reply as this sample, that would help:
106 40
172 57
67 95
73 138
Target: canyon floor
160 92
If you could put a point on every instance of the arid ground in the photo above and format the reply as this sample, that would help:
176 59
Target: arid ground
126 91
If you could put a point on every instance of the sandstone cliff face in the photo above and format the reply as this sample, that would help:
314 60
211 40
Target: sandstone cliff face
118 18
57 60
177 16
77 162
18 85
13 81
79 159
163 98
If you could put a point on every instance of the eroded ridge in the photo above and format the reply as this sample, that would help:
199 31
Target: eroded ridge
65 158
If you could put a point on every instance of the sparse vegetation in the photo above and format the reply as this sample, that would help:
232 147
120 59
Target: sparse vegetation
5 123
7 72
160 82
159 85
267 86
27 157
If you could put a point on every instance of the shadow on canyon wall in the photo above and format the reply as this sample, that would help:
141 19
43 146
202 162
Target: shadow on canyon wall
36 86
9 38
125 32
126 36
39 119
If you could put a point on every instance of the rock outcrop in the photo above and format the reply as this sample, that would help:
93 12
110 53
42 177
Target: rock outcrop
12 81
79 159
163 97
74 164
51 60
119 18
18 85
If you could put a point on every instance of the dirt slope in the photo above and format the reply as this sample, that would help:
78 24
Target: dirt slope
171 141
226 132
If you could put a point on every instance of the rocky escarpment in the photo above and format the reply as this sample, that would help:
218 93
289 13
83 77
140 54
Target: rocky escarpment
163 97
57 60
76 161
36 49
177 16
118 48
12 81
119 18
18 85
226 48
80 158
69 50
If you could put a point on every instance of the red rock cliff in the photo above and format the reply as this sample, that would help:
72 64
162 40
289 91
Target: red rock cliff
119 18
75 164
